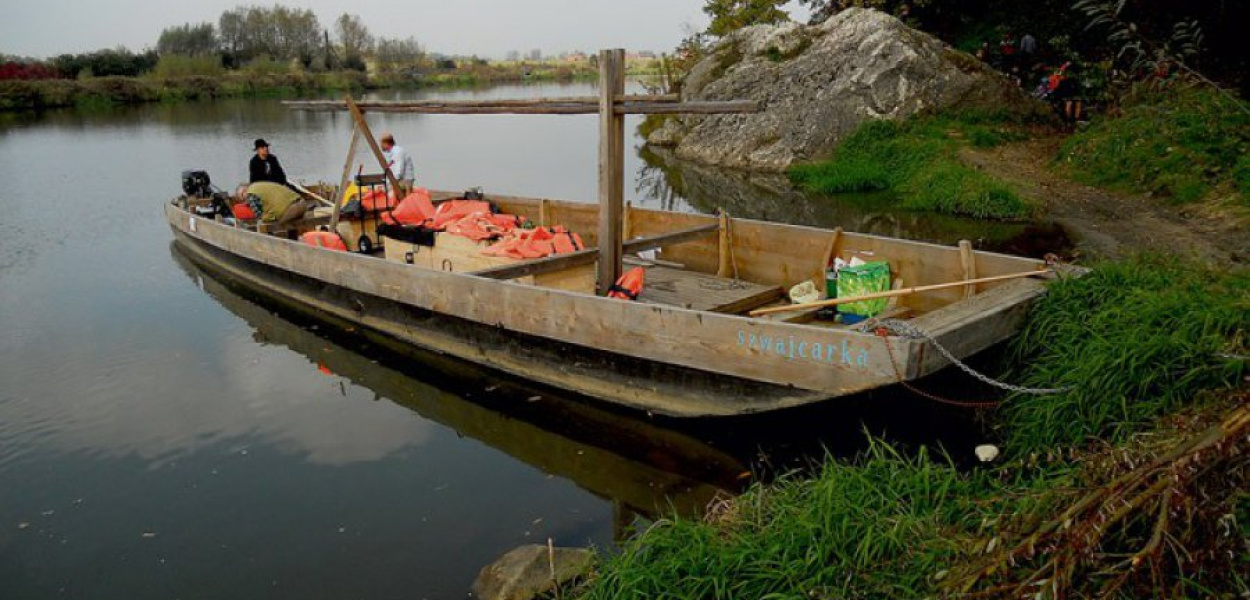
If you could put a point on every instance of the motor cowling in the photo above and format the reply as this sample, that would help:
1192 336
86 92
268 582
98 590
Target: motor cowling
196 184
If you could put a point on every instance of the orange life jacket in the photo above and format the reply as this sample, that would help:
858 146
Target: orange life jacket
243 211
629 285
414 209
324 239
377 199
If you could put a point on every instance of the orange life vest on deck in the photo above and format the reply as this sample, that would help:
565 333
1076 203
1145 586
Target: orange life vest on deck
414 209
324 239
377 199
629 285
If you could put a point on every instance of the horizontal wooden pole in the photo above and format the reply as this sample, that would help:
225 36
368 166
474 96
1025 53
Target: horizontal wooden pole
378 104
709 107
898 292
660 240
634 105
559 262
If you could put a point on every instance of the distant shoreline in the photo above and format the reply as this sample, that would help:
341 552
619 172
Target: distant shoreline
27 95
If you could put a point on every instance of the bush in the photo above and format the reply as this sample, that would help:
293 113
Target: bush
1134 340
1180 143
174 65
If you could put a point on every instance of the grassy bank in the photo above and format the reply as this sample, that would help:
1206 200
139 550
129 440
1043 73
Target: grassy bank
175 81
103 91
1183 144
1155 428
918 159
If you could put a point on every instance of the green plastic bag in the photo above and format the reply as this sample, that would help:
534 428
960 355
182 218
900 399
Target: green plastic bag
868 278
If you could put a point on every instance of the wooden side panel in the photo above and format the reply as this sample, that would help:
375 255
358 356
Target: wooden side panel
702 255
577 279
830 361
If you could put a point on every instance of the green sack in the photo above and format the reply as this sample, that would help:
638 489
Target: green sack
868 278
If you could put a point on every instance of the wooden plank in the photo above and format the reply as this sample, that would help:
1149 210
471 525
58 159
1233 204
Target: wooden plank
553 108
700 291
901 292
830 253
661 240
380 104
363 125
724 259
347 174
611 167
968 260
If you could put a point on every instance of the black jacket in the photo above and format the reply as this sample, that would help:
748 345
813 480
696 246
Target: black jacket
266 169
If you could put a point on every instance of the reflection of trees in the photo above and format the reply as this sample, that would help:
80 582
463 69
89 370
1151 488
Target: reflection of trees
653 182
771 197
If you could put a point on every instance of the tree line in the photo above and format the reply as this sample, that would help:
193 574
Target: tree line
246 33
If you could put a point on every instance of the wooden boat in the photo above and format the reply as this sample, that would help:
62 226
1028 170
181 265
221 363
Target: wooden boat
686 348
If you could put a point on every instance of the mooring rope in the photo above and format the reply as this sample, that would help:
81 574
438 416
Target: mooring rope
906 330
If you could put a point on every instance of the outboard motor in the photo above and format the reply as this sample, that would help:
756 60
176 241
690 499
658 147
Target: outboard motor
195 184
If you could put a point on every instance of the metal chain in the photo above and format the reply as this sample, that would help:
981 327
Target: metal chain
907 330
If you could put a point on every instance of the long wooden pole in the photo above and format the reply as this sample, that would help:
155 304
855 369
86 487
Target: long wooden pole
373 143
371 105
898 292
347 173
541 107
611 167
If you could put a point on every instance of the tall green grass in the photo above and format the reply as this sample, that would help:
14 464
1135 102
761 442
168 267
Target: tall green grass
918 159
1134 339
1181 143
885 527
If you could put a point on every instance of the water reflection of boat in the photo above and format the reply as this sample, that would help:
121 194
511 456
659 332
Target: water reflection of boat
639 466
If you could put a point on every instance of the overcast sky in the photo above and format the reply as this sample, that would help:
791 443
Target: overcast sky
490 28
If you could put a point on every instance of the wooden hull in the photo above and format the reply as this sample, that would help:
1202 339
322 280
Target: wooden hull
661 359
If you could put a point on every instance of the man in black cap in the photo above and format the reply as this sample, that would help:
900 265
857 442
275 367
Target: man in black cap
264 166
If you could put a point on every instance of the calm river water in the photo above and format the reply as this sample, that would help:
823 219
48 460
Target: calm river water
165 433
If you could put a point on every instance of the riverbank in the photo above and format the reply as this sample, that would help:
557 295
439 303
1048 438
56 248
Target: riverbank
1156 428
1168 168
16 95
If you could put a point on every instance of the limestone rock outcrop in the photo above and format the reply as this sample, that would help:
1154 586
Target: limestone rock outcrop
816 84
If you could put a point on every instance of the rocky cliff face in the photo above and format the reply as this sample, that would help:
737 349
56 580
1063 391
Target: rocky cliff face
816 84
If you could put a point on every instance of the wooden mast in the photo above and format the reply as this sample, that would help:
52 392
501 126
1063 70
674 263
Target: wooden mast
611 168
363 126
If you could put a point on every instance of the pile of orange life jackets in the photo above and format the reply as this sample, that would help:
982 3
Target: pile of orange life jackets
473 219
536 243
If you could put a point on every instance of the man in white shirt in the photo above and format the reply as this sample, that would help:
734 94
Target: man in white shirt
399 162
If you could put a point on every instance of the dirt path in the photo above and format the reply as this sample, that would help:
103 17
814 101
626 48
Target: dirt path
1107 224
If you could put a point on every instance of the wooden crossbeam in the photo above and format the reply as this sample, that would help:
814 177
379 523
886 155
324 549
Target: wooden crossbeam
533 107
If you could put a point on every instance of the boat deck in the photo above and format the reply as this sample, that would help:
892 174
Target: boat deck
701 291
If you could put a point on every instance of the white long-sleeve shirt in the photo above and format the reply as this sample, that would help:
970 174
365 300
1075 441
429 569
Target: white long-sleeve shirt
400 163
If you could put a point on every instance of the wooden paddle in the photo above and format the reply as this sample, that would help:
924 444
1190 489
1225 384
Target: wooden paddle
307 192
898 292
